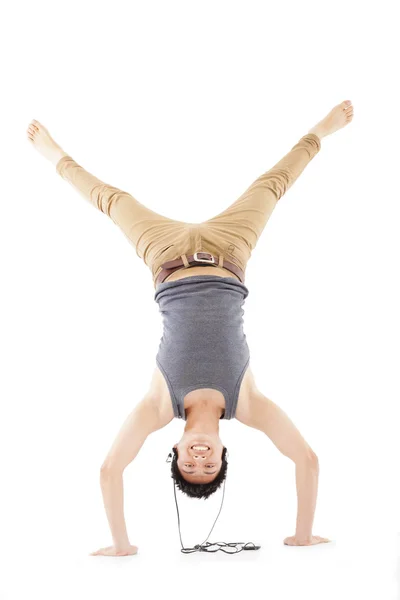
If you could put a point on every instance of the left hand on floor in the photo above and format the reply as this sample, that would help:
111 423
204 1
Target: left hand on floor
113 551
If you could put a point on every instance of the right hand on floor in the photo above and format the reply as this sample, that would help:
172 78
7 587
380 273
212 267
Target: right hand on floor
114 551
315 539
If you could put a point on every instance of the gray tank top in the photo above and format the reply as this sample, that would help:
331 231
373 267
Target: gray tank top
203 343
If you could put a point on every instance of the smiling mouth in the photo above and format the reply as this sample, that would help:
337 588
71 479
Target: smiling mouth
200 448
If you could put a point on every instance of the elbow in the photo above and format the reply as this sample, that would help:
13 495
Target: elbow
309 459
108 470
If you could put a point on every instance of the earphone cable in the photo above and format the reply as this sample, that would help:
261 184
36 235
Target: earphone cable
205 546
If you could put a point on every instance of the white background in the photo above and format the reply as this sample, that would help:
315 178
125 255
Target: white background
184 104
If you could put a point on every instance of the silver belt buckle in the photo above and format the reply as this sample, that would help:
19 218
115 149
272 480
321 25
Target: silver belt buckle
204 260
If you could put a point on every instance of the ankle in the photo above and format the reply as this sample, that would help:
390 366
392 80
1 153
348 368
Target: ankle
318 132
57 156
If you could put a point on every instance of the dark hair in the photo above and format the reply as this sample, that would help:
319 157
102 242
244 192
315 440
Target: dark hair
197 490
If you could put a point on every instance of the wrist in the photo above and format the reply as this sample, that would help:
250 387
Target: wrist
120 545
302 539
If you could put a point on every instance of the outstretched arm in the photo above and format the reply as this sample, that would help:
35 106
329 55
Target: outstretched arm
266 416
140 423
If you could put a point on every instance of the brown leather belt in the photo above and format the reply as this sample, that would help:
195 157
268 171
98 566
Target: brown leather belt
194 260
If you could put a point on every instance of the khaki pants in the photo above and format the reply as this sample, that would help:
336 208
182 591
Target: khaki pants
232 234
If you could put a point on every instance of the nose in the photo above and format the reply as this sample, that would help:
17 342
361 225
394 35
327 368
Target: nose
199 454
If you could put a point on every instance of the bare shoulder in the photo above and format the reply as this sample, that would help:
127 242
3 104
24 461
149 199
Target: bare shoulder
158 394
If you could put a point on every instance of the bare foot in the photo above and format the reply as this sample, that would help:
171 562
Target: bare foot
339 117
44 143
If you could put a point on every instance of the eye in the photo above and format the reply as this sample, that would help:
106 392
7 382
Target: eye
190 466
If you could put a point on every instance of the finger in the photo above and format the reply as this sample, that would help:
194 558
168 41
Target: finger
100 550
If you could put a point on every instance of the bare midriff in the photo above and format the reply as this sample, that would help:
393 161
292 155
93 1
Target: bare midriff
192 271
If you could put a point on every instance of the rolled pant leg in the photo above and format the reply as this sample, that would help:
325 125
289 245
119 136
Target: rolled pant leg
242 223
145 229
